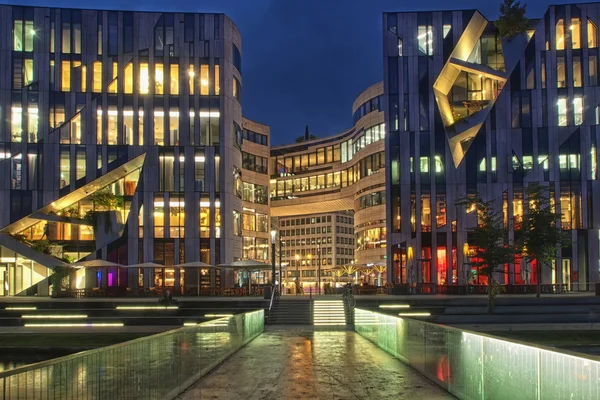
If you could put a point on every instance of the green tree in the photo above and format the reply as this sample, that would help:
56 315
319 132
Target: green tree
512 20
490 240
60 278
541 236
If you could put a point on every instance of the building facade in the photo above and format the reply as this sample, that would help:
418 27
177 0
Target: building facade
307 240
139 108
340 173
470 113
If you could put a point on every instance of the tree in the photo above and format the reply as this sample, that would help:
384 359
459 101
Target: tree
60 278
512 20
490 240
542 236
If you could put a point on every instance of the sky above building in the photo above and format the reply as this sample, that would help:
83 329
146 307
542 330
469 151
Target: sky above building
305 61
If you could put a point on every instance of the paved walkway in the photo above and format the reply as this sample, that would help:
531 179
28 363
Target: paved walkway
296 364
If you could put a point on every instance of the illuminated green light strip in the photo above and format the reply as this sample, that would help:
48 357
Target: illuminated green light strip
394 306
82 316
90 325
415 314
147 307
218 315
21 308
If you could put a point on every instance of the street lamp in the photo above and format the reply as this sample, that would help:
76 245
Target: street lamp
273 234
319 266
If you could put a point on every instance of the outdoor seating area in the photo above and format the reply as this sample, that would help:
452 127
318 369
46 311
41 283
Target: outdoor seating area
100 278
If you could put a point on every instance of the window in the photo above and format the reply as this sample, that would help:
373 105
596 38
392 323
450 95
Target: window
593 70
80 164
562 111
18 35
166 171
578 109
561 80
237 90
205 217
249 222
159 216
158 79
191 75
592 34
128 126
560 34
425 39
32 123
400 47
217 78
204 80
577 71
174 127
262 223
575 29
159 127
65 73
16 124
237 223
97 76
143 83
65 168
237 58
199 161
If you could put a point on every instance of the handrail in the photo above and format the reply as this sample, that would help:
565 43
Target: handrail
272 299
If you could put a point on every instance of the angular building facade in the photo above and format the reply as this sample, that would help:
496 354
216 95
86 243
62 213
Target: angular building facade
468 113
121 138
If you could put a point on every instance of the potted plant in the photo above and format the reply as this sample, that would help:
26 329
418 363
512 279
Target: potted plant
60 280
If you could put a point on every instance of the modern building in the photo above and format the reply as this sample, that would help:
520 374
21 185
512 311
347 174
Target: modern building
469 112
340 173
307 240
121 138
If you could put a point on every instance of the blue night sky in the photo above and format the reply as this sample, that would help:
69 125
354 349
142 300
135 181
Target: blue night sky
305 61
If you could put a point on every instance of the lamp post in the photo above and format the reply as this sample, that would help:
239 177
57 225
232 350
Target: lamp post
297 273
319 267
273 233
280 271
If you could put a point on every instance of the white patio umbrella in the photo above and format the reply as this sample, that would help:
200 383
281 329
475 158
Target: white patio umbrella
247 265
196 264
145 265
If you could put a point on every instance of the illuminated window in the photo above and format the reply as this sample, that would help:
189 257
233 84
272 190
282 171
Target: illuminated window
176 217
32 124
424 164
99 125
400 47
141 127
199 161
575 29
446 30
18 36
248 222
174 79
128 78
562 111
111 129
52 33
217 79
158 79
425 39
159 127
543 160
592 34
593 163
191 75
560 34
113 85
144 85
159 216
84 78
65 168
16 124
166 170
65 73
204 80
426 213
440 216
236 89
578 109
97 76
174 127
76 129
217 218
128 126
27 71
237 223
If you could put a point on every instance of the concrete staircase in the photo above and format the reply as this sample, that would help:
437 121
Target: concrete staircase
291 312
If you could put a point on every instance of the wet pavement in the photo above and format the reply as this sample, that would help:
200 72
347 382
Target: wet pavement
297 364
